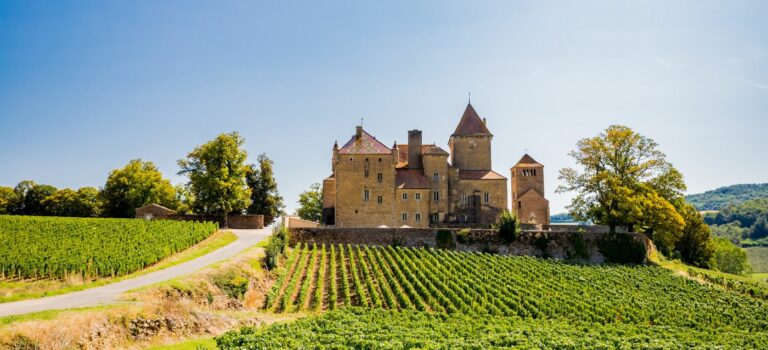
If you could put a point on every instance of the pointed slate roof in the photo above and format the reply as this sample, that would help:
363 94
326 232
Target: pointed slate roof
365 144
527 162
471 124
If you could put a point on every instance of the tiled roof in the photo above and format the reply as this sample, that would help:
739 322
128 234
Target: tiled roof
471 124
527 162
402 150
365 144
480 175
411 178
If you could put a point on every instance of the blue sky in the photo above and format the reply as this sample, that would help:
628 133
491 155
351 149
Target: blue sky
87 86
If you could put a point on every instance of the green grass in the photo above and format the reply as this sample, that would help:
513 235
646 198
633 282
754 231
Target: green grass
193 344
21 290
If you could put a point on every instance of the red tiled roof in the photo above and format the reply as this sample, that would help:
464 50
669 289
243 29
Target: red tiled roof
480 175
471 124
411 178
365 144
527 162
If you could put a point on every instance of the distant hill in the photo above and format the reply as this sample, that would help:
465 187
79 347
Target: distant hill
735 194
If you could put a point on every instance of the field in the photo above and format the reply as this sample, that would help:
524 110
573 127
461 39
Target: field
407 297
359 328
56 248
758 259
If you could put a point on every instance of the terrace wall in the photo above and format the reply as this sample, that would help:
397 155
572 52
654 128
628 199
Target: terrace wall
586 246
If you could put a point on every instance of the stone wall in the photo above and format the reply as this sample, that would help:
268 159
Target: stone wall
585 247
234 221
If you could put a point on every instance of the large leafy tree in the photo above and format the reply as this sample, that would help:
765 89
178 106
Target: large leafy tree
7 200
311 204
625 180
217 171
135 185
33 200
67 202
695 245
730 258
265 198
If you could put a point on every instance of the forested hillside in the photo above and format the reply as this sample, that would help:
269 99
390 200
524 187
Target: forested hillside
735 194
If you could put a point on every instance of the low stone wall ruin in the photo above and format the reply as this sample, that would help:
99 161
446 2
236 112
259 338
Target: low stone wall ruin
584 246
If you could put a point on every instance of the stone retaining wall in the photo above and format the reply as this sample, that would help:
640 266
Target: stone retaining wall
590 246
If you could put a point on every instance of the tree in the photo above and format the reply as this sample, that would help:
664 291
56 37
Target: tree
81 203
695 246
185 198
311 204
729 258
625 181
7 199
33 199
217 172
759 229
265 199
135 185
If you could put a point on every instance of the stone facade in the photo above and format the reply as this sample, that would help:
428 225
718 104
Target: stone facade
414 184
528 192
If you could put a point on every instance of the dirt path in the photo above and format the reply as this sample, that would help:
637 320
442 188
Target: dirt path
110 293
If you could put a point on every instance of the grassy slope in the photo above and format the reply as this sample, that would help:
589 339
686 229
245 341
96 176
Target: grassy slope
20 290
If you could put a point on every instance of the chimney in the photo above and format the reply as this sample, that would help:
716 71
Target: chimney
359 131
484 123
414 149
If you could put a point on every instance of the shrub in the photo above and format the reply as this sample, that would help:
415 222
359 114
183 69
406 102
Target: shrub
730 258
578 249
462 236
445 240
509 226
275 247
621 248
542 242
232 282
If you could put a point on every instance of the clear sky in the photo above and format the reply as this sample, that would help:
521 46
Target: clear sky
87 86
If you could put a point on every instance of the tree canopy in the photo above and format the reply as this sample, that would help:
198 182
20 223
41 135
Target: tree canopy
265 198
624 180
311 204
217 172
137 184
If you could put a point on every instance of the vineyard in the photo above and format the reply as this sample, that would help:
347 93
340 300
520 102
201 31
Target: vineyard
360 328
54 247
449 282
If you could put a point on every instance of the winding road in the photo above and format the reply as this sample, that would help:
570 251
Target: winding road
110 293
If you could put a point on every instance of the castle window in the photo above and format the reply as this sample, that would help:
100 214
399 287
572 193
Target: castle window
418 196
405 196
534 172
404 216
379 199
462 218
379 160
366 173
435 217
380 177
435 177
436 196
519 204
464 198
486 197
366 195
417 217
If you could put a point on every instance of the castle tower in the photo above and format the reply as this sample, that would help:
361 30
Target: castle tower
528 192
470 144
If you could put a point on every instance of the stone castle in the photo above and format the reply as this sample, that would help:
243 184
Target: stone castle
415 185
